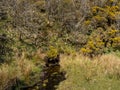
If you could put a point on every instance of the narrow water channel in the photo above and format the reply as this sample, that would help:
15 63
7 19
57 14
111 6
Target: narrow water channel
51 78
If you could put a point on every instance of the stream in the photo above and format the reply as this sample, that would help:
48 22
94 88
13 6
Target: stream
50 78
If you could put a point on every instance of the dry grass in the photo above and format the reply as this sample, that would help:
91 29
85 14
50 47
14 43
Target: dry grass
83 73
19 69
7 73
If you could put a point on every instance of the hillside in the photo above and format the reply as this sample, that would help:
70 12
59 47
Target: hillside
64 31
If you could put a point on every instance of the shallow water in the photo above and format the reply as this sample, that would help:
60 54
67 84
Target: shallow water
50 78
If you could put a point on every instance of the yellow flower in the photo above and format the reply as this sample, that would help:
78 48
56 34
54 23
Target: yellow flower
112 31
116 39
87 22
86 50
83 50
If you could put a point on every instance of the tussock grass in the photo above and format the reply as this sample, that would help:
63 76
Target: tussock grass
83 73
23 70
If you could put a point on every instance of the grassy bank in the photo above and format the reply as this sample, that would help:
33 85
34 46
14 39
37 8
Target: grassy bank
82 73
20 72
100 73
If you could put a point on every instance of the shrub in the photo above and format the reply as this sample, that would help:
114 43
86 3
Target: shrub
52 52
5 49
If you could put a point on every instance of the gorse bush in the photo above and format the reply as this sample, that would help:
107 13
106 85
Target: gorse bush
52 52
37 24
56 27
105 32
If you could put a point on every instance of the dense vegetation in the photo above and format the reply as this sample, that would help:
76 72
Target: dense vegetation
31 29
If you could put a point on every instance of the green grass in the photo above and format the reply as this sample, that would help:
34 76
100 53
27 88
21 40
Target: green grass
100 73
